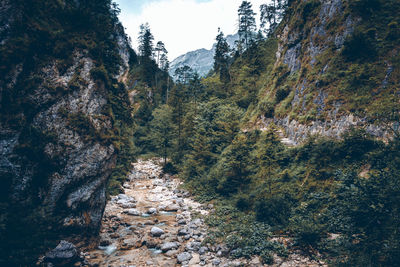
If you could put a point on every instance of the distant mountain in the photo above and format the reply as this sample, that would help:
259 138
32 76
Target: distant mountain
201 60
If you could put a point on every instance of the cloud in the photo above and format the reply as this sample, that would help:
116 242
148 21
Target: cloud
183 25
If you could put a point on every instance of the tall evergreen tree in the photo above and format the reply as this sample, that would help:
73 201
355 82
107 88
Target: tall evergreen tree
160 51
271 14
145 41
247 23
164 63
221 57
183 74
163 131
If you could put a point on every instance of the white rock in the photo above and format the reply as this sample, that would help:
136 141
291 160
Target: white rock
133 212
156 231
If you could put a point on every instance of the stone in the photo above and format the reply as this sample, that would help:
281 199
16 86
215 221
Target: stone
130 243
195 259
172 207
203 250
156 231
151 243
255 262
152 211
64 254
183 231
132 212
169 246
193 246
171 253
216 262
184 256
128 205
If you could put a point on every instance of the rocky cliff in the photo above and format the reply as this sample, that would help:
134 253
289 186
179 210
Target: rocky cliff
60 127
337 67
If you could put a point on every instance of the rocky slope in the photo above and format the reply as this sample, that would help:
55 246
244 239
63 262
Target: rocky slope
335 69
201 60
57 125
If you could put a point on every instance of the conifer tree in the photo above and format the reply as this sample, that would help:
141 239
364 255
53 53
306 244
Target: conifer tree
164 63
272 14
221 57
163 131
247 23
183 74
145 41
160 51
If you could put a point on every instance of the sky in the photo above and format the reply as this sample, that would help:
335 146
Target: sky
183 25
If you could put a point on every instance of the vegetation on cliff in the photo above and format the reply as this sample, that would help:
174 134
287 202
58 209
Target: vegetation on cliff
324 60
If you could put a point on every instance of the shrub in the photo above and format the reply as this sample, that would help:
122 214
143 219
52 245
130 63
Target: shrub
359 46
281 94
267 108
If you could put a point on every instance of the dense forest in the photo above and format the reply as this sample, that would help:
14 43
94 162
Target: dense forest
208 129
294 133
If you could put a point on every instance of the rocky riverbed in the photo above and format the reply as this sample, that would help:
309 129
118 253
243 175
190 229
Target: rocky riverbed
154 223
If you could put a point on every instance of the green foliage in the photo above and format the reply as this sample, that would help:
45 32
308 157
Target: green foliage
242 234
257 183
309 8
281 94
232 172
266 108
221 57
365 7
360 45
367 213
163 131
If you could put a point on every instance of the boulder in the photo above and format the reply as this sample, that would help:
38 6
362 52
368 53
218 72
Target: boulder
184 256
169 246
156 231
132 212
183 232
65 254
152 211
172 207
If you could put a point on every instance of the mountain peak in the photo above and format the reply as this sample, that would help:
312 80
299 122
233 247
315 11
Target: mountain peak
200 60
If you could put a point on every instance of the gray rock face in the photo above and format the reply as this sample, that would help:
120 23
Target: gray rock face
53 156
291 58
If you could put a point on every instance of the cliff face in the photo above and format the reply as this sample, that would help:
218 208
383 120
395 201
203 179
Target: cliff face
58 128
336 68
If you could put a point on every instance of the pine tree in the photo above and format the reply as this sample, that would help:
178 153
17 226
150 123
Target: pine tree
164 63
163 131
183 74
271 15
247 23
221 57
161 51
145 41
